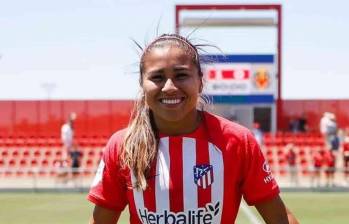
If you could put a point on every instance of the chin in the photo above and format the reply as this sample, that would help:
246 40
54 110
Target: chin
173 117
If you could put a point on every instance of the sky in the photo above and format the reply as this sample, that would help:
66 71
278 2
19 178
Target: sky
83 49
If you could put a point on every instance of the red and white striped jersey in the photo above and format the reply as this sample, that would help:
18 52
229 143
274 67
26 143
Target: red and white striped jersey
197 178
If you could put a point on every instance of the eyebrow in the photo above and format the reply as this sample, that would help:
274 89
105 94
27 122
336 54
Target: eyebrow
176 69
181 68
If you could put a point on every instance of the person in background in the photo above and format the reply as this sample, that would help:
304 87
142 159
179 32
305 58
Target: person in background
330 167
175 159
335 142
317 157
291 158
346 158
302 123
67 136
293 125
328 127
75 157
258 133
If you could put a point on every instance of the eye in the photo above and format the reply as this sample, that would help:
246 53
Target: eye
181 76
156 78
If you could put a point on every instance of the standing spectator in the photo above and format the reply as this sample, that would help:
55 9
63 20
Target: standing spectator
317 165
302 123
330 167
298 124
291 158
328 127
334 142
67 136
346 158
293 125
257 132
75 156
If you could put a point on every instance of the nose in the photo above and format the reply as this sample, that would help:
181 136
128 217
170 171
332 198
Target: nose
169 86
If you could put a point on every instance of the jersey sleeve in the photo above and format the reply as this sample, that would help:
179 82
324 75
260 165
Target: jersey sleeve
108 188
258 183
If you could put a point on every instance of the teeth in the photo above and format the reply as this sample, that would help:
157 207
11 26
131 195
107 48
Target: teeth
170 101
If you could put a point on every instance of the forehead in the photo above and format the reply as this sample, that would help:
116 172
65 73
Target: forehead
168 55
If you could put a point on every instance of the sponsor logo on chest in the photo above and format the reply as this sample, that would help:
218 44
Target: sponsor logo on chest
203 215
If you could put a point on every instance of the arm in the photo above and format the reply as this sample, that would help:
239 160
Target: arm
275 212
104 216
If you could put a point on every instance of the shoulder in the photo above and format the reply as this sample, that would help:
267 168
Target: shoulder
229 136
117 137
114 143
220 127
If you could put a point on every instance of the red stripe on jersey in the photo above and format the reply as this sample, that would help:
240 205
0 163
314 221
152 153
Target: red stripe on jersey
149 193
202 158
176 174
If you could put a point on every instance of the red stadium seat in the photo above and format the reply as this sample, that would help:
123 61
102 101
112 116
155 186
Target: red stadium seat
12 163
25 152
4 153
269 152
48 153
33 163
58 154
91 153
37 153
89 163
301 151
23 163
15 152
44 163
19 173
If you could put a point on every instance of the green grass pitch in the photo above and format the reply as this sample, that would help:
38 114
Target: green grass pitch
72 208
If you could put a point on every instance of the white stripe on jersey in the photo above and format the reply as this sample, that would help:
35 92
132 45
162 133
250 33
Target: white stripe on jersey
190 193
208 177
99 173
137 195
217 187
162 179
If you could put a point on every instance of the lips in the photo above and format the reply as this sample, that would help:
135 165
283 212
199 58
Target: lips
171 101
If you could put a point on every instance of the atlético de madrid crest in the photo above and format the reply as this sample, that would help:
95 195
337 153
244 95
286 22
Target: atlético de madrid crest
203 175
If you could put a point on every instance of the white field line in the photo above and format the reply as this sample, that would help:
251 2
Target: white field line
249 214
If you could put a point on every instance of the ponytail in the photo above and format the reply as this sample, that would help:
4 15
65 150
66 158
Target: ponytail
140 144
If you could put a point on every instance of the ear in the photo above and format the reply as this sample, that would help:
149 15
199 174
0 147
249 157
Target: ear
142 97
201 86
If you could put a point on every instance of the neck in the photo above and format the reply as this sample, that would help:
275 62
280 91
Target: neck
185 126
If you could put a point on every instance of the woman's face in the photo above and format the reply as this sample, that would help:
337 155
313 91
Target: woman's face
171 85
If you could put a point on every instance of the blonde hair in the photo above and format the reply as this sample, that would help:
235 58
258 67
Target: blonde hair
140 144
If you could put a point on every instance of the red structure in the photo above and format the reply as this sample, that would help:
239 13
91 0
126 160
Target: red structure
44 118
103 117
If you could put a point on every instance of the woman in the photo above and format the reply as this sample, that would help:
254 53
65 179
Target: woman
176 164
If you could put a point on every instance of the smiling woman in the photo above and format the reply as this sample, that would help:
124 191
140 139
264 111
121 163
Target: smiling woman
171 85
178 164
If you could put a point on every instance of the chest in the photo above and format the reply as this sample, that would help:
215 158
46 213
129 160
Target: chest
188 178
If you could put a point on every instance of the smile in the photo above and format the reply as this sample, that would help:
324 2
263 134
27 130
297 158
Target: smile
171 101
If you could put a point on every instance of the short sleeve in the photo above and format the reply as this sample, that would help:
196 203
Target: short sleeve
108 188
258 183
